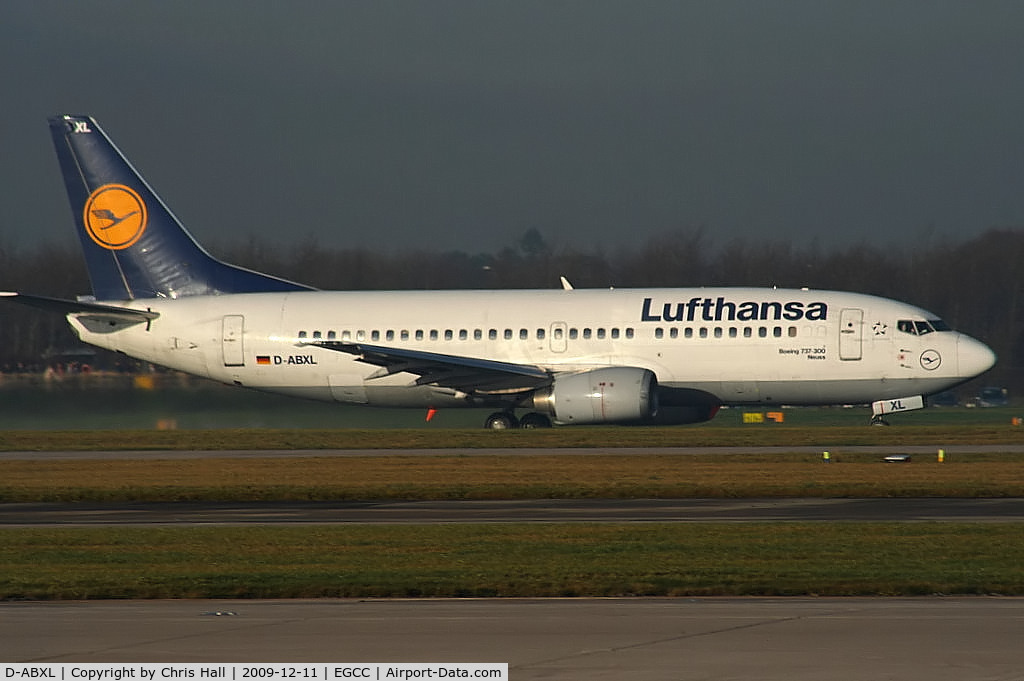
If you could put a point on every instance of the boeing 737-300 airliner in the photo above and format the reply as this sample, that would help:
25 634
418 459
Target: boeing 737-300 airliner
566 356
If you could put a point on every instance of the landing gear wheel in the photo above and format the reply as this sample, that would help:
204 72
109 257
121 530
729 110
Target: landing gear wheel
535 420
501 420
878 421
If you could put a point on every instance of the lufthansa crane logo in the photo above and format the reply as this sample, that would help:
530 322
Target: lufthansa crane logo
115 216
930 360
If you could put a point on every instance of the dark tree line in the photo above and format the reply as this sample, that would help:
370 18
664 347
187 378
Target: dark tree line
975 285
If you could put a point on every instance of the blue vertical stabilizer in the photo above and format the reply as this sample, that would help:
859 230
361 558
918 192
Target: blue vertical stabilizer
134 246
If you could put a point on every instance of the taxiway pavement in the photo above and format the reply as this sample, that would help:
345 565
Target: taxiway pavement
514 511
928 639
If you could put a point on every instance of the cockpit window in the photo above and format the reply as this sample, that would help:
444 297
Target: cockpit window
920 328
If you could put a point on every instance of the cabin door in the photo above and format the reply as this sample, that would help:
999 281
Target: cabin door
851 326
231 340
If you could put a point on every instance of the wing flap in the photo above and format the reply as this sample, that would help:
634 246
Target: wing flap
468 374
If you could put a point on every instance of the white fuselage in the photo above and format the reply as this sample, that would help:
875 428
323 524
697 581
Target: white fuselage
741 345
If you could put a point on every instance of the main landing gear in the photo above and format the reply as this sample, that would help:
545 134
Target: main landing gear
504 420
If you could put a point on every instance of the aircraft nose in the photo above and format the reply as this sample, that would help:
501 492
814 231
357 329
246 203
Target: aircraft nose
973 357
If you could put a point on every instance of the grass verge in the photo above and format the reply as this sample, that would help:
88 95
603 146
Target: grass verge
577 436
512 561
443 477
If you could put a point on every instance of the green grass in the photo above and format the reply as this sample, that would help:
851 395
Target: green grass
537 476
707 435
513 561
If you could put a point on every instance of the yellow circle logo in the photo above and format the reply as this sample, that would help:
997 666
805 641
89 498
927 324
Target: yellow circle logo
115 216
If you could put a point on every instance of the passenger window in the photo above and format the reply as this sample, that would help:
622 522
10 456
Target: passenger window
586 333
777 332
419 334
559 333
574 334
600 333
389 335
331 335
762 332
360 335
524 334
540 334
748 332
615 333
316 334
478 334
659 332
405 334
434 335
674 332
792 332
375 335
492 334
703 333
302 334
629 333
732 332
508 334
449 334
718 332
463 334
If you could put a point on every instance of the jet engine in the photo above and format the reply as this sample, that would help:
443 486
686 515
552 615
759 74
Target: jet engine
606 395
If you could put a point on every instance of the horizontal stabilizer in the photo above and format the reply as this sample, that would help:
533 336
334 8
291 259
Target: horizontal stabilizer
63 306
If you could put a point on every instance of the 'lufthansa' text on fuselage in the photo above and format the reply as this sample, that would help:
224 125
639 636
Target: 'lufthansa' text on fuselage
722 310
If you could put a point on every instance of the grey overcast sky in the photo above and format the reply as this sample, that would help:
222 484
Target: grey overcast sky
459 125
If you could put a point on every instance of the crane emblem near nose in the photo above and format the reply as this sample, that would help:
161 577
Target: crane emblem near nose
931 360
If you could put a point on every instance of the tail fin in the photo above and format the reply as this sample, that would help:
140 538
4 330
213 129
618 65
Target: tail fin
134 246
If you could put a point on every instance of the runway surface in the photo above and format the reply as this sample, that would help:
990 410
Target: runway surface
936 639
530 511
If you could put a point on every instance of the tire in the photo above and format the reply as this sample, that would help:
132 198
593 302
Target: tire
501 420
535 420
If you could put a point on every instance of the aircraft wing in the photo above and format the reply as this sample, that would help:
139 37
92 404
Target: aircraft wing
96 310
468 374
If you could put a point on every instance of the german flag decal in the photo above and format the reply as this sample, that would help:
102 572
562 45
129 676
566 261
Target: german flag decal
263 359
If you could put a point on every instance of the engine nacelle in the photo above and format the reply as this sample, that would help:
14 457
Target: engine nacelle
607 395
